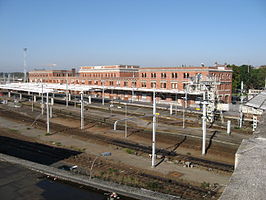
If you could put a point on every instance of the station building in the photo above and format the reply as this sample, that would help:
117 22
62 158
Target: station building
130 82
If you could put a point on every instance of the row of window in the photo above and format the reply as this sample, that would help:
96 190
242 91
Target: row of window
51 75
221 75
164 75
98 75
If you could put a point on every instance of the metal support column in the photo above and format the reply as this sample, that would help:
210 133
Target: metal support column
240 108
47 113
125 120
90 99
204 125
153 130
103 93
184 109
228 127
42 105
81 111
32 102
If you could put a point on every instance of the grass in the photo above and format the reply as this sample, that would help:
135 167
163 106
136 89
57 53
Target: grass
154 185
130 151
14 130
58 144
205 185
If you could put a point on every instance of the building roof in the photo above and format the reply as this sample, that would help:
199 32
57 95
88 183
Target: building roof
258 101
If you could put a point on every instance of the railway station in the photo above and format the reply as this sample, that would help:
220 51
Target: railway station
167 141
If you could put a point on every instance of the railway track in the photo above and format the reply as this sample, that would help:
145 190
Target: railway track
45 154
137 147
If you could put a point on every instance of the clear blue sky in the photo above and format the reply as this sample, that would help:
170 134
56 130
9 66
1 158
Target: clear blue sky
141 32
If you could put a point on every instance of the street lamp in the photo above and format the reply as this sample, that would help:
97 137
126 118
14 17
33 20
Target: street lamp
104 154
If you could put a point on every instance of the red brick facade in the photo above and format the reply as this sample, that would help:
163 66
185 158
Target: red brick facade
122 80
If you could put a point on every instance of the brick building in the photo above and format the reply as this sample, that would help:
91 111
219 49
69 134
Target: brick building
129 82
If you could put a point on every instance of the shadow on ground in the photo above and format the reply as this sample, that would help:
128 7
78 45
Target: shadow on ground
35 152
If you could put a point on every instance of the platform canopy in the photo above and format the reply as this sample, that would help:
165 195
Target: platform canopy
26 87
258 102
57 88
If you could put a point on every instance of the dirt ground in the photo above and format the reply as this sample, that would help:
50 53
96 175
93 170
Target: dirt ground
120 155
122 158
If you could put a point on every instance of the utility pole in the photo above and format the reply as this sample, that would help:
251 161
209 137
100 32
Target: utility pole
25 72
153 130
103 93
81 112
32 102
204 123
8 78
51 106
125 120
241 104
184 108
132 94
42 101
47 113
67 90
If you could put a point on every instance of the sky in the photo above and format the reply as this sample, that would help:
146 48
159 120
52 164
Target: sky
61 34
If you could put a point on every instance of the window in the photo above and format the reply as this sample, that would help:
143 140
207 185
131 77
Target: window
143 84
163 85
118 83
186 75
174 85
143 75
134 84
111 83
163 75
125 83
153 84
174 75
153 75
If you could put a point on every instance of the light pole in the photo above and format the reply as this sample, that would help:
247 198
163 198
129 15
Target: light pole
42 101
25 73
67 90
81 111
103 93
153 130
125 120
47 113
105 154
204 122
240 107
184 108
32 102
